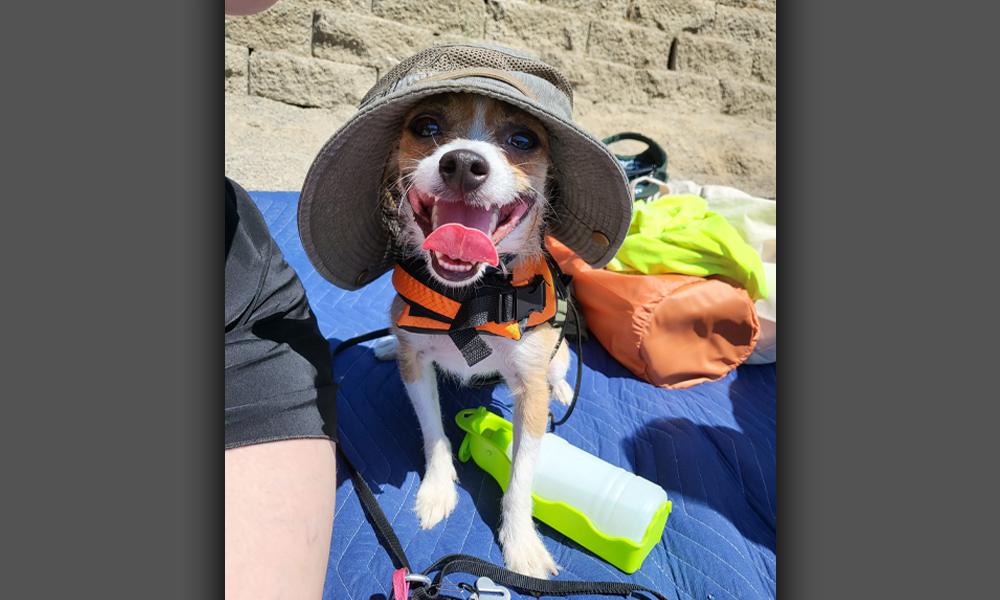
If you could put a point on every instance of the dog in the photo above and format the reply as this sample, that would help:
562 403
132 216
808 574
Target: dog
467 181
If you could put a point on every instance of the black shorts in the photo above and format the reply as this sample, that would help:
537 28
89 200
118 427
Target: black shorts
279 382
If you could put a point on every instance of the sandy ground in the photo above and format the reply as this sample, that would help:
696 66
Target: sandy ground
270 145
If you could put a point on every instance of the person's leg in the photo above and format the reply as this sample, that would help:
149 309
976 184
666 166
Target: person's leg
279 518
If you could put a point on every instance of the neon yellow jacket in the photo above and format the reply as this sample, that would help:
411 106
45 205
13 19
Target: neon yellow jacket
677 234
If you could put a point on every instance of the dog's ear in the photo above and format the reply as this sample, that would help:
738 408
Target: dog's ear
552 198
553 193
390 194
388 190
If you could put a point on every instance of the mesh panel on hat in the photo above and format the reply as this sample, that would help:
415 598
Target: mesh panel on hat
451 58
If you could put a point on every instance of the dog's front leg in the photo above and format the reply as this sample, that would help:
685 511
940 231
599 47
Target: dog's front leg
523 550
437 495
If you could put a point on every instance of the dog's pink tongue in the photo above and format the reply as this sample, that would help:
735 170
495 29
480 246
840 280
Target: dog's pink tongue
463 233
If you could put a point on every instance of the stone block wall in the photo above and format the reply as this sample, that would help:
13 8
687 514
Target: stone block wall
692 56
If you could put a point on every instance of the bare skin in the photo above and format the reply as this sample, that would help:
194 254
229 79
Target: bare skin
279 518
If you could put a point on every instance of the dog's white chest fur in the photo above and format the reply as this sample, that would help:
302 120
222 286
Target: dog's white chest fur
448 358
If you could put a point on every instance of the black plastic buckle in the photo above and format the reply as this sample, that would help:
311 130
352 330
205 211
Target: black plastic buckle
530 298
505 306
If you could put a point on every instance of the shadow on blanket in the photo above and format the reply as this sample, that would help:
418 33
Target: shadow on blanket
729 471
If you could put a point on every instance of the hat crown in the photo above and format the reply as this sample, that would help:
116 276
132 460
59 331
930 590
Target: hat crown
455 57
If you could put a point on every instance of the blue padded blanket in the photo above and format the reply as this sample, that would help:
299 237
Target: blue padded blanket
711 447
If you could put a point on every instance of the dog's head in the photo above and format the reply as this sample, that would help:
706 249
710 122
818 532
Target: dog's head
468 179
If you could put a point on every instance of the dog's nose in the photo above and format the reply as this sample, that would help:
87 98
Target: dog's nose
463 170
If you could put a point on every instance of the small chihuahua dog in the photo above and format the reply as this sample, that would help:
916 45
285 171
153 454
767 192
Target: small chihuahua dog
467 180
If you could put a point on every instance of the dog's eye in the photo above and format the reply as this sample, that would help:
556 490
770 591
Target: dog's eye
425 127
522 140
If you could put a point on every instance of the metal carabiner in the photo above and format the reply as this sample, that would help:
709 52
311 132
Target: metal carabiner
487 590
427 582
418 578
484 589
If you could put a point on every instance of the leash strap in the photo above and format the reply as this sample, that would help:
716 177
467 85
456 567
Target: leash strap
376 517
354 341
579 365
472 565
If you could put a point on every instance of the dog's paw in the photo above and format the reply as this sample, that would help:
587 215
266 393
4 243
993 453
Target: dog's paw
436 498
527 555
385 349
563 392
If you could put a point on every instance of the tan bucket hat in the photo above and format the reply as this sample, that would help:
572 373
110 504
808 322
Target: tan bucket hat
343 229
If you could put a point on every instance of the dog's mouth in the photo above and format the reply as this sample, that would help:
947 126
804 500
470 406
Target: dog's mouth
461 237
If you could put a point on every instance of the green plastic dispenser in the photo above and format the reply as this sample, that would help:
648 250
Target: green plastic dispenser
611 512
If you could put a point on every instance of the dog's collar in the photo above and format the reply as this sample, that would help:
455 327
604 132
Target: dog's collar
499 304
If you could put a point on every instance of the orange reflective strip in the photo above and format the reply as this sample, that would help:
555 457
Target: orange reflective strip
408 320
508 330
550 301
527 271
418 293
550 309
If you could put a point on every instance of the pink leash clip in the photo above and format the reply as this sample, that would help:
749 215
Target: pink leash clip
401 583
400 586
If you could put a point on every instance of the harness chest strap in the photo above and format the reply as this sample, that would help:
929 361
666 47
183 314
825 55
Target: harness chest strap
502 305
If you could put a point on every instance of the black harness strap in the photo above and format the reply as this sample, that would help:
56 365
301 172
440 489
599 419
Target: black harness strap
468 342
493 300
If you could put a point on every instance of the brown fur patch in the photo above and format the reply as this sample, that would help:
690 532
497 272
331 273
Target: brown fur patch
410 365
531 393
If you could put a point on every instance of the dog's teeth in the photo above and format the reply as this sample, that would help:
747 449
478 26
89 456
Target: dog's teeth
434 215
457 268
448 263
494 219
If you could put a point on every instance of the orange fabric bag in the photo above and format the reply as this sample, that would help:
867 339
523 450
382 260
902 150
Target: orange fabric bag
671 330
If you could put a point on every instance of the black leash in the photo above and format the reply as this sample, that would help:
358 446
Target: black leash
472 565
579 363
374 335
463 563
375 515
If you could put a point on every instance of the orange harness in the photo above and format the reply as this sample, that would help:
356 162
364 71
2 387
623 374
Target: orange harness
503 305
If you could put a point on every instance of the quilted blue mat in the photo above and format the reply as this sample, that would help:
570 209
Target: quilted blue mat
711 447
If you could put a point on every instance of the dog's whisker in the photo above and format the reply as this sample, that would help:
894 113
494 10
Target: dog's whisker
529 163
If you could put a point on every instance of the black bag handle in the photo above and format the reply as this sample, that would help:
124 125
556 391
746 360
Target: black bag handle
651 162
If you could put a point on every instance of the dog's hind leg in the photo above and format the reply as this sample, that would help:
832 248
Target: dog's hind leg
437 495
561 389
385 348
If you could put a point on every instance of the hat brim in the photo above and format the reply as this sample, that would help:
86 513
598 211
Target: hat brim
340 221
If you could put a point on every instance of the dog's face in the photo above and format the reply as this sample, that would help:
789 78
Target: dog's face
469 175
